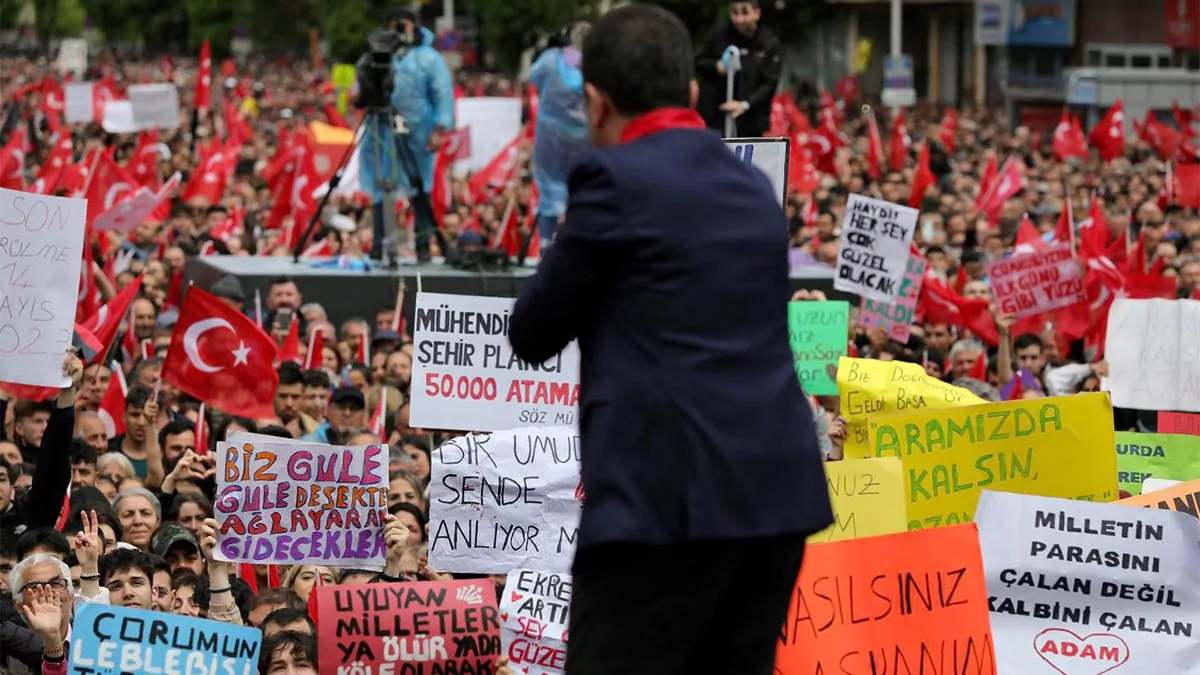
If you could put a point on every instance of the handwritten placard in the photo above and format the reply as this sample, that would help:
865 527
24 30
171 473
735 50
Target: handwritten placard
301 503
41 256
1178 423
1076 587
1182 497
504 501
888 605
1037 282
1152 354
896 317
869 388
112 639
875 247
1056 447
393 629
867 497
818 332
533 621
1143 456
465 375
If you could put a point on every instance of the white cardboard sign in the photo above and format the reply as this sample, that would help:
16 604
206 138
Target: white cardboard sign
1153 354
876 236
155 105
41 254
1085 588
769 155
534 611
506 500
466 377
77 98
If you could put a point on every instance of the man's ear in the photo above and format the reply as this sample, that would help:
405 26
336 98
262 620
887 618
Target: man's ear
693 93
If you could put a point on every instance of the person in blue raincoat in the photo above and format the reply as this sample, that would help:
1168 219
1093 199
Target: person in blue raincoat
561 133
423 93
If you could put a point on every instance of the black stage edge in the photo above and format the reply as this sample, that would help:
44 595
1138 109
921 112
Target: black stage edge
347 294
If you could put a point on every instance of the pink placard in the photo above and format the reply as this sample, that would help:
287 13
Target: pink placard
1034 283
896 317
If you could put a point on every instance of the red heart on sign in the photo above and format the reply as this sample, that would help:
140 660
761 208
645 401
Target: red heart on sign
516 596
504 616
1072 654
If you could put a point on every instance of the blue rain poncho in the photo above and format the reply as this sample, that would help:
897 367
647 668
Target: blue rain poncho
562 132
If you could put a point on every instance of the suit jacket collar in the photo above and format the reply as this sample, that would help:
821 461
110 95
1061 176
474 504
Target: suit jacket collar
663 119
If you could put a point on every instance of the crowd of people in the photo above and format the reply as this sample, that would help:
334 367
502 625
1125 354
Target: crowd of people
115 506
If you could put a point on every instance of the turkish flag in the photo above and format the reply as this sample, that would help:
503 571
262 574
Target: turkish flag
208 182
923 179
218 356
874 148
1068 139
107 186
55 164
105 323
203 97
898 152
1109 135
498 172
112 406
949 130
143 166
1006 184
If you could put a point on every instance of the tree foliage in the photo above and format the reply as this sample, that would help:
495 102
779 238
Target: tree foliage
9 9
509 27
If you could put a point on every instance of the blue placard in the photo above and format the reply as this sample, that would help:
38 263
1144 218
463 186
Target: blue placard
1041 23
109 639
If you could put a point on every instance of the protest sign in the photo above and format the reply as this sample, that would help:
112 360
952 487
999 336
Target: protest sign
870 387
868 499
875 247
118 118
301 503
155 105
769 155
1178 423
1183 497
78 102
41 254
505 500
1142 456
1089 588
818 332
1153 355
434 627
1037 282
73 56
533 621
465 375
898 604
1056 447
896 317
112 639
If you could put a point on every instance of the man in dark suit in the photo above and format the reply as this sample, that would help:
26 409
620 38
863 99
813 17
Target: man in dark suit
700 460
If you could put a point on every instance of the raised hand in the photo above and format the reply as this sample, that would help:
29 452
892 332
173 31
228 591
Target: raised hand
208 540
396 536
88 543
43 612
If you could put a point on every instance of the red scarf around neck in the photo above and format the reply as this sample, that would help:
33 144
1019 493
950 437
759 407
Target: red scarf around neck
663 119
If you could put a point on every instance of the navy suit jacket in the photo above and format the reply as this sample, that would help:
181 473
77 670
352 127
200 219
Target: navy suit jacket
672 272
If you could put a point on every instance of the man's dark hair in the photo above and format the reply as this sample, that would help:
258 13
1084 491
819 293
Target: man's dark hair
286 615
189 579
124 559
281 280
316 379
278 596
1025 341
137 396
42 537
303 648
290 373
160 563
174 428
276 431
641 57
24 408
81 452
107 517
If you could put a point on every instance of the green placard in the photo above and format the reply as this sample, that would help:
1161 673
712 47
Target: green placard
1142 456
818 333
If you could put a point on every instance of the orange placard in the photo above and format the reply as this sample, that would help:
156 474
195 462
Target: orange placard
901 603
1184 498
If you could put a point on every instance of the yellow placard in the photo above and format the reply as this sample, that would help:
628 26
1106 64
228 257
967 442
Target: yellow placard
1050 447
868 499
343 75
869 388
862 56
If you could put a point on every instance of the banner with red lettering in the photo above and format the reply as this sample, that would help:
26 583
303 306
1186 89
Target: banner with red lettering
1034 283
409 629
533 621
466 376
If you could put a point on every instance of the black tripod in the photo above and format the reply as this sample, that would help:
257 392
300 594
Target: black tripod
425 223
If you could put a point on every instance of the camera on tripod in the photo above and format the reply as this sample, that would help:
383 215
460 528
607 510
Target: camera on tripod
375 70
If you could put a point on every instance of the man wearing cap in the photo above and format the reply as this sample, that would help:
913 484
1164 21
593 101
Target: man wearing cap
175 544
347 412
229 290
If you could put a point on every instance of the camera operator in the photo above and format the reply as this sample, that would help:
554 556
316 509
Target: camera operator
561 133
754 86
422 92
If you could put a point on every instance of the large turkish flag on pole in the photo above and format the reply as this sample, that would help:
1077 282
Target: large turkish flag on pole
220 357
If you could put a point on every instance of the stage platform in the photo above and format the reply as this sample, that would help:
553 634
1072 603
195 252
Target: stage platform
347 294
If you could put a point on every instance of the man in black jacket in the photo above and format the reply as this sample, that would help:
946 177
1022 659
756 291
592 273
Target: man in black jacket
41 505
754 86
